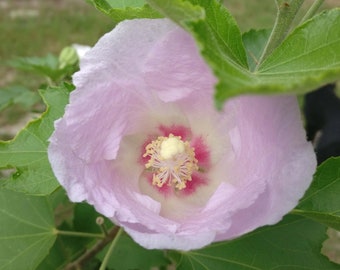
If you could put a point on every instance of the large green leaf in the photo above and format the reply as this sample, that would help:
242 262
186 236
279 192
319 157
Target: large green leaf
213 27
61 252
64 250
322 200
293 244
26 230
179 11
308 58
125 9
27 152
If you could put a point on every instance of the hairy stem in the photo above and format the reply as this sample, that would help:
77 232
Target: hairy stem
286 13
90 253
108 254
312 10
79 234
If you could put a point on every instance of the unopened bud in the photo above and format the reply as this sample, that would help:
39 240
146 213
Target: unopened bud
68 57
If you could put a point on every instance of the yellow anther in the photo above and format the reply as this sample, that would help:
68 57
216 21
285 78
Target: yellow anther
171 160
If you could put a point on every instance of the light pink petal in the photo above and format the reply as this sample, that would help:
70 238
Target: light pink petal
273 147
247 219
175 70
214 215
66 165
116 55
151 240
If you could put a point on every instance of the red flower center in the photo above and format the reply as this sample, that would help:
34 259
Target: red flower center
175 160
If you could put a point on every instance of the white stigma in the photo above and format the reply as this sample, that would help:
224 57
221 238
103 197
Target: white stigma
171 147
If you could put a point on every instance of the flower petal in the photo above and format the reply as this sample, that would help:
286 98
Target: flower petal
171 241
272 148
110 59
179 75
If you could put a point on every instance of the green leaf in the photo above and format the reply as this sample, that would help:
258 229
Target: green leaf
129 255
213 27
125 9
83 219
179 11
59 254
26 230
311 50
47 66
286 12
66 248
322 200
308 58
293 244
27 152
254 42
17 95
126 3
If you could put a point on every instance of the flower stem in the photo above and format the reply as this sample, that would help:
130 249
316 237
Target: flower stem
79 234
286 13
312 10
109 252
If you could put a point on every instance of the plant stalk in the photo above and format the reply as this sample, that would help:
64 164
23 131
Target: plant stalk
79 234
111 248
312 10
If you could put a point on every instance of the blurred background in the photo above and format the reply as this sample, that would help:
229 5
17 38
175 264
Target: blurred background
38 27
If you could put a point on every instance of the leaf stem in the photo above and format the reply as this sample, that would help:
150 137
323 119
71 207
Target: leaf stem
285 15
50 82
312 10
296 212
109 252
79 234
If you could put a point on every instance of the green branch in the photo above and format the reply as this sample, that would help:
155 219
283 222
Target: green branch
111 248
312 11
79 234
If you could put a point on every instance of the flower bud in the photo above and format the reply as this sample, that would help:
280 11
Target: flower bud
68 57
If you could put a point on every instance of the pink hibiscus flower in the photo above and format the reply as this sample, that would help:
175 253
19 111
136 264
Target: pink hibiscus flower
142 142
